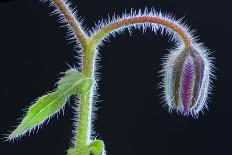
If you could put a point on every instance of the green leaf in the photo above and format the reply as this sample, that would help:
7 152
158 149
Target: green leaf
96 147
45 107
73 83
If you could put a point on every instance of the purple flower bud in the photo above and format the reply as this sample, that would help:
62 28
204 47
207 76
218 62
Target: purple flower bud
186 80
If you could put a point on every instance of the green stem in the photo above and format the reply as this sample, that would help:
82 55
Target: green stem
85 111
84 126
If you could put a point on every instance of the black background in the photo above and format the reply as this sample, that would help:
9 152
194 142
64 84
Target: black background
130 118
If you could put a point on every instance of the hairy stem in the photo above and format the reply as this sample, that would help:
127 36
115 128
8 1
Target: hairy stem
71 20
89 51
84 122
101 34
84 127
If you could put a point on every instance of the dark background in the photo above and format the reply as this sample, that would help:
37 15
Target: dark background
130 118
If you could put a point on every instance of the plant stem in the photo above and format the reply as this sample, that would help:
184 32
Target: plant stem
89 45
84 122
124 22
84 126
71 20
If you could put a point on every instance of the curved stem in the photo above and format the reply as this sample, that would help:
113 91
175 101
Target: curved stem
89 51
100 35
72 21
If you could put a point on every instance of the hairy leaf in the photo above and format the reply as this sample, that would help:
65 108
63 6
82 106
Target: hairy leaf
45 107
73 83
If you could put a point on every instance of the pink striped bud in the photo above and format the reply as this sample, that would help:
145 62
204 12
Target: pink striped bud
186 80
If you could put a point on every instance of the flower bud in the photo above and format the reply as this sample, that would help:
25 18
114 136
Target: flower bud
186 80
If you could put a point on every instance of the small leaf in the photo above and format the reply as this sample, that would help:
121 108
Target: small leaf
73 83
96 147
45 107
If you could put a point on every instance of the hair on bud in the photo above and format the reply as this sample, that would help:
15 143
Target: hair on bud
187 74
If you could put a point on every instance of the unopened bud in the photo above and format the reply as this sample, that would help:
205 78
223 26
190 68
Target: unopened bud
186 80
